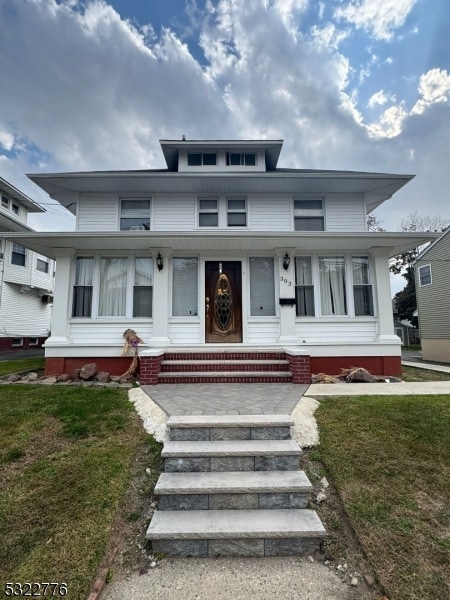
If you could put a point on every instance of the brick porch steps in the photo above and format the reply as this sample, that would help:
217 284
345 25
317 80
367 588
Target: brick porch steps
224 365
233 487
225 377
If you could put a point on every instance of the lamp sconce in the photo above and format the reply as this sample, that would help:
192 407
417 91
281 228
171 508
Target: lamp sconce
286 261
159 262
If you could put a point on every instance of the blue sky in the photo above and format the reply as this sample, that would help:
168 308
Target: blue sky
348 84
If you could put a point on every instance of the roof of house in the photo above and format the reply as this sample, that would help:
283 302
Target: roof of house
15 194
432 245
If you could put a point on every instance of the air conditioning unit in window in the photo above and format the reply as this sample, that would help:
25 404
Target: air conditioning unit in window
1 255
47 299
137 228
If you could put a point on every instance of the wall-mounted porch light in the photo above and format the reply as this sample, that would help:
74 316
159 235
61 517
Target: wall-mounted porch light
159 262
286 261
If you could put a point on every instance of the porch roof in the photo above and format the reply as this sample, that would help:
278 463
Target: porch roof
53 244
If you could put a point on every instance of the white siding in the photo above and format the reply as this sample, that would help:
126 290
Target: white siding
174 214
345 214
270 214
27 275
185 332
22 313
97 214
263 332
98 332
337 331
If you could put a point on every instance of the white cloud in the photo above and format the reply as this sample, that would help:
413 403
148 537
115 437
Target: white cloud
434 87
6 140
379 18
379 99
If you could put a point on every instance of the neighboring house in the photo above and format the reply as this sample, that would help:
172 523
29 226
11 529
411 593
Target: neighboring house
223 256
433 299
407 333
26 278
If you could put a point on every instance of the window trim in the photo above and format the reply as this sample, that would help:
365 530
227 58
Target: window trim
33 343
135 198
310 286
368 285
242 159
236 211
428 265
208 211
307 216
15 252
202 159
17 342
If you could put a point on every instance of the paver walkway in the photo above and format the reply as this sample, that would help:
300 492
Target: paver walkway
226 398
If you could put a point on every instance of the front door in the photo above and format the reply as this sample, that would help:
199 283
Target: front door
223 302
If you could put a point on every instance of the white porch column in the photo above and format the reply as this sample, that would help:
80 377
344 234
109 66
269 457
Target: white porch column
383 286
60 329
285 290
161 309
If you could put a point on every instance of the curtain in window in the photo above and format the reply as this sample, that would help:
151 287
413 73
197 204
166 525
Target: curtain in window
113 284
362 290
82 291
332 285
262 286
143 287
304 291
185 287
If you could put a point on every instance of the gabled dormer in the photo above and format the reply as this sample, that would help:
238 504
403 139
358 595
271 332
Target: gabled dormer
221 156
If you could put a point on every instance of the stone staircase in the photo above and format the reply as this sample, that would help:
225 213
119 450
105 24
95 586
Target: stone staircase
232 487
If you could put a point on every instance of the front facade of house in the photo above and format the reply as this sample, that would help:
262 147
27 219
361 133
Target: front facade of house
433 299
26 277
223 252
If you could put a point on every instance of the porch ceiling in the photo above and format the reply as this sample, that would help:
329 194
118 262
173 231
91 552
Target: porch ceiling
60 243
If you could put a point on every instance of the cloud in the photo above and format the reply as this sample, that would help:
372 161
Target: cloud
434 86
380 19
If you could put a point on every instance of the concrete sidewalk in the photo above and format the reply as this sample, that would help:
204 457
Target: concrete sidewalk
419 364
378 389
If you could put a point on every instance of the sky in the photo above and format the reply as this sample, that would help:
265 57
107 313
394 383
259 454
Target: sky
358 85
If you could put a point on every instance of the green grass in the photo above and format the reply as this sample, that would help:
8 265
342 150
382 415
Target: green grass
66 459
414 374
18 365
389 459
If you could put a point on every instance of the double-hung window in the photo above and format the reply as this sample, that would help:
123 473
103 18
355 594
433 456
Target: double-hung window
5 202
134 214
425 275
18 255
236 212
42 265
208 214
82 290
262 286
333 295
143 287
362 289
304 288
113 286
308 214
185 287
15 208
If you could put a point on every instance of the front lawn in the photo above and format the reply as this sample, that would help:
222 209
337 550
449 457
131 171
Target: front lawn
389 459
415 374
66 461
17 365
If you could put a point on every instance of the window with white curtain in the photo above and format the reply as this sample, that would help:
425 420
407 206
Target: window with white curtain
262 286
304 288
185 287
113 287
333 298
82 289
362 289
143 287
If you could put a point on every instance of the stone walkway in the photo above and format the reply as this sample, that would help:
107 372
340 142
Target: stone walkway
226 398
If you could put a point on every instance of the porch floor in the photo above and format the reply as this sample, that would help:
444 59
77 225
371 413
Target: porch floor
226 398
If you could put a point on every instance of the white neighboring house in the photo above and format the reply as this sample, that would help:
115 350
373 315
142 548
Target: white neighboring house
26 277
223 263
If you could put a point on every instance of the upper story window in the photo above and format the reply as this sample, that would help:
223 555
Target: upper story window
18 255
247 159
42 265
425 275
134 214
236 212
208 213
5 202
202 159
15 208
308 215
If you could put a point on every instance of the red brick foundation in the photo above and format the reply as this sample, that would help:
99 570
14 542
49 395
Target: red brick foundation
377 365
299 366
150 369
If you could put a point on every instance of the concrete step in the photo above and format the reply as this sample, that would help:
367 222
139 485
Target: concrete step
236 455
202 533
233 490
230 427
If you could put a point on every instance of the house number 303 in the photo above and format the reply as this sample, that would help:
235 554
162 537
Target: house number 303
284 280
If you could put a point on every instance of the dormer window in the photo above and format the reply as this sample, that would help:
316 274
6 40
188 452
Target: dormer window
247 159
202 159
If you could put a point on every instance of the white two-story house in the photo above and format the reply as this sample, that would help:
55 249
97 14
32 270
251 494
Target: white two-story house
26 277
228 267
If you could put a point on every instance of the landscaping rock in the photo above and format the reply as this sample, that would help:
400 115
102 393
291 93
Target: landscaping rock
48 380
76 374
88 371
14 377
30 377
103 376
64 378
